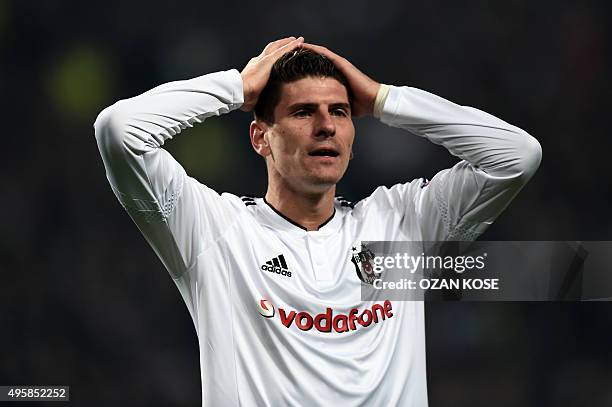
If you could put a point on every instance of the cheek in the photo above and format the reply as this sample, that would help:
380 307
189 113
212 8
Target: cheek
349 136
288 141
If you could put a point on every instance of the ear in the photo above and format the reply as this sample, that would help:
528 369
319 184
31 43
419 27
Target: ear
260 144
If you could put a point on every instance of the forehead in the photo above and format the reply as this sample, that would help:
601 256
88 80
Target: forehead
318 90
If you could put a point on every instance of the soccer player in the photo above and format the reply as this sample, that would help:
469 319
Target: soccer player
271 283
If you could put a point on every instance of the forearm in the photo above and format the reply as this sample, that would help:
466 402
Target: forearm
144 122
481 139
498 159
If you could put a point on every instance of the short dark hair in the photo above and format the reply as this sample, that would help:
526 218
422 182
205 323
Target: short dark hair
290 67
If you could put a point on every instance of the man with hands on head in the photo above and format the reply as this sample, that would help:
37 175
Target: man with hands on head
269 282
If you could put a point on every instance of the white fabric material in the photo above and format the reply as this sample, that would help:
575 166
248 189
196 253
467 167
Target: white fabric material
253 353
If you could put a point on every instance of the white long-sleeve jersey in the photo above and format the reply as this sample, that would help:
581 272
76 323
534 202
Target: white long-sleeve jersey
277 309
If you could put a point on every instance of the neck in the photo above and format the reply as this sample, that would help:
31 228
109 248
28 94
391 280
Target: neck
308 210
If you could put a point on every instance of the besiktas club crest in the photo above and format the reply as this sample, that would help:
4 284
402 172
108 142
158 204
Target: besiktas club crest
363 260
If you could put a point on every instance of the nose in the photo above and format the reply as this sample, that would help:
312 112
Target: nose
325 125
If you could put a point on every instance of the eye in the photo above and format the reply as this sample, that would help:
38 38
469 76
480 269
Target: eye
302 113
339 112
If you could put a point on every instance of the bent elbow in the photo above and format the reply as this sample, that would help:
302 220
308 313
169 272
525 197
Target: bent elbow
530 153
112 131
110 123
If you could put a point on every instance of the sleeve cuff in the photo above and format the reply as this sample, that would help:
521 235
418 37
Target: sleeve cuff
381 98
238 89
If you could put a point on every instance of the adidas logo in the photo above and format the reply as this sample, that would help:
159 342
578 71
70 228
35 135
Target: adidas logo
277 265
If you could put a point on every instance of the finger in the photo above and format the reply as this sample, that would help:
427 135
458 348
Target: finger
321 50
274 45
290 46
275 55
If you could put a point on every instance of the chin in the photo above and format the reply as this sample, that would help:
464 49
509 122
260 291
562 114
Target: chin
324 182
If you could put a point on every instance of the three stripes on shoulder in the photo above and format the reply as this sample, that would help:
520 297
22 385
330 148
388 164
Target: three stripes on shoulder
249 200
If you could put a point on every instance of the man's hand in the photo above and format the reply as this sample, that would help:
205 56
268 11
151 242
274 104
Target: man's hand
256 73
364 88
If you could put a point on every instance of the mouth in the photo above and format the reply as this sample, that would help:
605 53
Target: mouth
324 152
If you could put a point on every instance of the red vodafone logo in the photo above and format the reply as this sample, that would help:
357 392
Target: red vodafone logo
327 321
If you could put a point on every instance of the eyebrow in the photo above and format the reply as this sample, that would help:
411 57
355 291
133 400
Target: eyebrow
312 106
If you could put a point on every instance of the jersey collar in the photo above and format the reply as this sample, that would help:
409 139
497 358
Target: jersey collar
277 220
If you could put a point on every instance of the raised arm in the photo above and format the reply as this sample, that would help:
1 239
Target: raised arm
131 132
178 216
170 209
497 161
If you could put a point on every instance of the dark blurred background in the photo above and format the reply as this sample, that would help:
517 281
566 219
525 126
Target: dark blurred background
84 301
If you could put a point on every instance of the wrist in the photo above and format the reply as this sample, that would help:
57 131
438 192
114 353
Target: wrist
379 101
247 93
